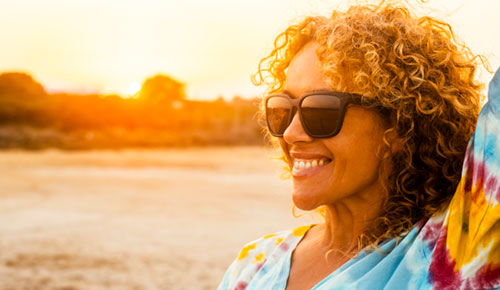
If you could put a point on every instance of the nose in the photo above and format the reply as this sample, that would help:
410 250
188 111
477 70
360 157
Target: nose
295 132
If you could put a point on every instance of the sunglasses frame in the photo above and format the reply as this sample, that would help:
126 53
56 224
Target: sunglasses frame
344 98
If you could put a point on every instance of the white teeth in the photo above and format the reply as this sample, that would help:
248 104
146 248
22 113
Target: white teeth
309 164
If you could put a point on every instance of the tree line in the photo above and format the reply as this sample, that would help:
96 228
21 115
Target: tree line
159 116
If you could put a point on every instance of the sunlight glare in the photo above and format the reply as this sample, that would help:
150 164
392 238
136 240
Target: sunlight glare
133 89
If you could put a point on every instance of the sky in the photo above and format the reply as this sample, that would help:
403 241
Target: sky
109 47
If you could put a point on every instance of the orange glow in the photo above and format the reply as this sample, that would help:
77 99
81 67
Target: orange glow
155 114
213 47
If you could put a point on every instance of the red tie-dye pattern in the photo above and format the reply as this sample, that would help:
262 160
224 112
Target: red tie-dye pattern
441 271
477 181
242 285
431 232
492 187
284 247
475 169
479 176
259 265
488 277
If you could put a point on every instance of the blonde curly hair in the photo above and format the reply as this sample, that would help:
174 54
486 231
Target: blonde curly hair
423 79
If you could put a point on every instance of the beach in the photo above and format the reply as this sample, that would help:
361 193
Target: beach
135 219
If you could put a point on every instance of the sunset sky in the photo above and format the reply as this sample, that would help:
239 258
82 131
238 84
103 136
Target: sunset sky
213 46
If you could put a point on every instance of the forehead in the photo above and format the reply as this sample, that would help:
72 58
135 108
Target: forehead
304 73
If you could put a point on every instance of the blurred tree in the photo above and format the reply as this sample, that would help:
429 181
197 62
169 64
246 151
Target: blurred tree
20 85
160 117
22 100
162 89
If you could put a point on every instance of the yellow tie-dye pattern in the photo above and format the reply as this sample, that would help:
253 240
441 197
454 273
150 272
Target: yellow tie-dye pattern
245 250
472 227
278 241
300 231
259 258
269 236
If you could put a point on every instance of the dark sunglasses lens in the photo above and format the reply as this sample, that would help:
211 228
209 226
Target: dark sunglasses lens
278 114
321 114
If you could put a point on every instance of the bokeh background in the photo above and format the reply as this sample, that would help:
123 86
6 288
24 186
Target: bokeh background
131 151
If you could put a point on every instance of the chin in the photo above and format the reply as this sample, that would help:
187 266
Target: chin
304 202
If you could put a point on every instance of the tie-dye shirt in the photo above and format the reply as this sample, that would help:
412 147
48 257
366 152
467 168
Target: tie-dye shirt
457 249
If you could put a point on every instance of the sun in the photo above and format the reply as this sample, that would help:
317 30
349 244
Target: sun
133 89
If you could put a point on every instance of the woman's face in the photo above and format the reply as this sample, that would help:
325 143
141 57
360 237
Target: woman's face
343 168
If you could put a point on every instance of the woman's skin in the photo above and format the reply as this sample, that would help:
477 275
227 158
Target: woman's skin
349 184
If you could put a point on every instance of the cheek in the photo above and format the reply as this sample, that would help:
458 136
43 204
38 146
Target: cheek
357 157
366 153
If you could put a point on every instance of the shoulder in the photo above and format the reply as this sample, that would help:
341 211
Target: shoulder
266 250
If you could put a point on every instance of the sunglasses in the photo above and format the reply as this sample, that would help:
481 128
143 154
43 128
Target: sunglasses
321 113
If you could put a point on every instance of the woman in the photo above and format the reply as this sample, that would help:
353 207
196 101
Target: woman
373 109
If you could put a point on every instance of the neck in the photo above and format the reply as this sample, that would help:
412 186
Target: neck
346 220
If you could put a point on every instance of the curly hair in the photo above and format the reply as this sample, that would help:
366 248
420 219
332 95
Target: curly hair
420 75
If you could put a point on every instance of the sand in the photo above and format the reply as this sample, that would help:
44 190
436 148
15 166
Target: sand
133 219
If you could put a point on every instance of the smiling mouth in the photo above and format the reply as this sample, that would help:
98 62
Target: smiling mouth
302 164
